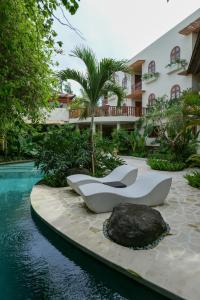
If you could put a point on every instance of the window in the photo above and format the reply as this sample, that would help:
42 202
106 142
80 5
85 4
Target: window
151 99
116 77
175 54
152 67
175 91
124 82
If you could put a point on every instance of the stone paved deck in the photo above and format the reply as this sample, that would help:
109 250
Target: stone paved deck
173 266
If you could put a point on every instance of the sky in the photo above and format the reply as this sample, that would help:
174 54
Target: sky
118 28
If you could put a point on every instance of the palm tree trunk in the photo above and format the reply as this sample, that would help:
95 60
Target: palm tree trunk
92 143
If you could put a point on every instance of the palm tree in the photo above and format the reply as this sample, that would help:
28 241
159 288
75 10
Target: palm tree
96 82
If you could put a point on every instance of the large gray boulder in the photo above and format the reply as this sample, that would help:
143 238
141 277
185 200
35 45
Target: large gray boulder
136 226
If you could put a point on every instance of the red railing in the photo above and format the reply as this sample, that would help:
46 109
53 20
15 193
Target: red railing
109 111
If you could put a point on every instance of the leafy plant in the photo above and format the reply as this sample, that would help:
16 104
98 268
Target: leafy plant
194 160
149 75
64 149
173 133
121 140
106 162
181 62
165 165
193 179
26 78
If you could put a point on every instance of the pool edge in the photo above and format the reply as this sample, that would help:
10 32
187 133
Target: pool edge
127 272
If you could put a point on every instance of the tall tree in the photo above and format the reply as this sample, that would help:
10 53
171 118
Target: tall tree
27 41
96 82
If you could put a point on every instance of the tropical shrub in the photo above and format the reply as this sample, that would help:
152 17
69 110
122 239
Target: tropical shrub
64 149
174 126
106 162
133 142
165 165
137 139
22 141
194 160
121 140
193 179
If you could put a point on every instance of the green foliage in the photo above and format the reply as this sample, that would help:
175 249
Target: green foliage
106 162
27 42
64 148
138 140
106 158
22 141
178 61
191 107
77 103
104 144
96 82
194 160
193 179
165 165
57 179
133 142
121 141
26 79
149 75
174 134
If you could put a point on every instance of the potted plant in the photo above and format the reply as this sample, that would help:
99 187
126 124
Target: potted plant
150 76
176 65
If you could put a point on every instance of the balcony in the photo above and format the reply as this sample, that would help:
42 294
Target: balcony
176 65
111 111
136 91
150 77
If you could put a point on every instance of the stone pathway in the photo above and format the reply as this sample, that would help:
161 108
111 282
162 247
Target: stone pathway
173 267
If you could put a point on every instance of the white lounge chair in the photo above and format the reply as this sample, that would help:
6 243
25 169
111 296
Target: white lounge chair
121 176
150 189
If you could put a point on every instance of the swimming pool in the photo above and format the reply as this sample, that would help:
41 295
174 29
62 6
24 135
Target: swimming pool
35 263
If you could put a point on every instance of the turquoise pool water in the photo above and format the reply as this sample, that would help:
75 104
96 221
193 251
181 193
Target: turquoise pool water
35 263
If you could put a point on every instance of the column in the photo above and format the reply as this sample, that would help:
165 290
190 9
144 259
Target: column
118 126
77 127
94 128
100 130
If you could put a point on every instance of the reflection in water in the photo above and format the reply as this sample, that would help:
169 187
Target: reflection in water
35 263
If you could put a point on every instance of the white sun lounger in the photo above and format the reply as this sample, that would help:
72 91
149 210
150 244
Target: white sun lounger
150 189
122 175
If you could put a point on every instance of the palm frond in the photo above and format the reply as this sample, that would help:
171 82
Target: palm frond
76 76
89 59
106 68
115 89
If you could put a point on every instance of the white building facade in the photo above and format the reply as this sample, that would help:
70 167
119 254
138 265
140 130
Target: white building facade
161 69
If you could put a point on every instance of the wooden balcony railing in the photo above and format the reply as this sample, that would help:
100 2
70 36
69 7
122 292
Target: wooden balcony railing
109 111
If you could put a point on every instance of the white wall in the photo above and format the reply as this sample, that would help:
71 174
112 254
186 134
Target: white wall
160 52
112 101
57 115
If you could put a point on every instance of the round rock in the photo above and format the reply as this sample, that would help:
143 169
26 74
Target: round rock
136 226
